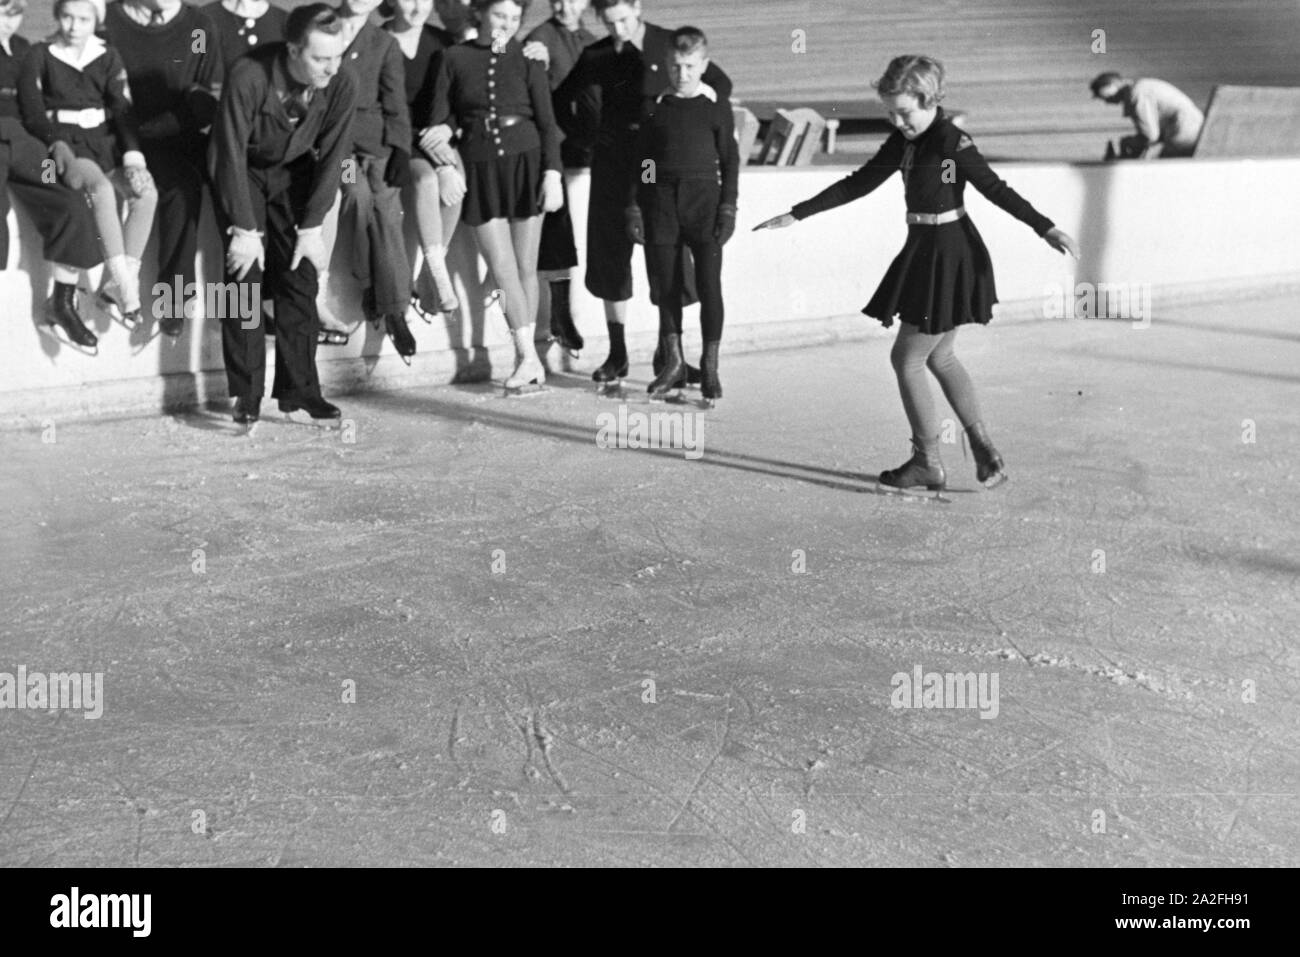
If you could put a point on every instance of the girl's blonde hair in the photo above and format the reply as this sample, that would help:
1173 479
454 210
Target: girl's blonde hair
918 75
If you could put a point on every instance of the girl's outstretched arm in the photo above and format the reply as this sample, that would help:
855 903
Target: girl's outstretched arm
854 186
976 171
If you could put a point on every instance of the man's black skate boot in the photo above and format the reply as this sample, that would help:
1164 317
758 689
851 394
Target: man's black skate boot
989 467
562 328
673 374
316 407
615 367
247 410
923 468
710 384
400 333
61 311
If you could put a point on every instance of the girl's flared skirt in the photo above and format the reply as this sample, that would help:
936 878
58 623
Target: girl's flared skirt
508 187
943 278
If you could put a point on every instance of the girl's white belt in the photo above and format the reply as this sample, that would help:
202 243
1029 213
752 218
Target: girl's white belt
936 219
87 119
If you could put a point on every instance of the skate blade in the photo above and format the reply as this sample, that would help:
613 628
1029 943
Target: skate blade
610 390
144 343
523 391
59 335
114 312
997 480
913 493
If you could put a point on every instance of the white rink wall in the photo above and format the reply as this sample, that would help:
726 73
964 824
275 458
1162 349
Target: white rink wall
1186 229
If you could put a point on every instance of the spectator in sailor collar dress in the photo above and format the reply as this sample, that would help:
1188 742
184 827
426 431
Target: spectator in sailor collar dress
73 95
59 213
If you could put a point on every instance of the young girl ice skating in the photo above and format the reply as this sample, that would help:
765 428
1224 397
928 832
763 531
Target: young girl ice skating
73 96
943 278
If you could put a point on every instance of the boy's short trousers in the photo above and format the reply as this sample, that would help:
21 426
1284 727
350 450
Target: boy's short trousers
685 211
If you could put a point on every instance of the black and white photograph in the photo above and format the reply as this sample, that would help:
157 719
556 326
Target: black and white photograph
372 497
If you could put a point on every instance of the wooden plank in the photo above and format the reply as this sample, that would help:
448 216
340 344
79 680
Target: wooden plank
1251 121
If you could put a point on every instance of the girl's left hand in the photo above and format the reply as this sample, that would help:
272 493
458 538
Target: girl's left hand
139 180
1062 242
536 50
777 222
552 191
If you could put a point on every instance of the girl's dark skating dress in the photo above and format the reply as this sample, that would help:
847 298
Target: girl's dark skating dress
501 102
943 277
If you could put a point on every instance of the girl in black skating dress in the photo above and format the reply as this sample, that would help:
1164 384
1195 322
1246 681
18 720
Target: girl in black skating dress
943 278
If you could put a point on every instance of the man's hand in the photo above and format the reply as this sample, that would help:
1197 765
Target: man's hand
245 251
777 222
1062 242
537 50
398 171
552 191
311 247
725 225
451 185
634 223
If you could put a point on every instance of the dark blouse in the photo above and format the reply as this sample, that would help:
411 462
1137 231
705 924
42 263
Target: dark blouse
925 162
241 34
475 86
173 88
422 71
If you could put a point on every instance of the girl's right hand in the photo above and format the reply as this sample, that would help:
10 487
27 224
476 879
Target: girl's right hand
777 222
435 139
451 185
62 155
1062 242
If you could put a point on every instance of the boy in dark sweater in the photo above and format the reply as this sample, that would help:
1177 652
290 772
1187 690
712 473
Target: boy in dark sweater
686 196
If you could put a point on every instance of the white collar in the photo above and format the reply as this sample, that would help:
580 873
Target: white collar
706 91
95 48
248 9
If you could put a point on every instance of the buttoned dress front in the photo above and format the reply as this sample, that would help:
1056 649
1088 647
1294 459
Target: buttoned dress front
501 104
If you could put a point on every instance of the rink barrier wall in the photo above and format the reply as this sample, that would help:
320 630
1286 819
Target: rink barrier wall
1184 230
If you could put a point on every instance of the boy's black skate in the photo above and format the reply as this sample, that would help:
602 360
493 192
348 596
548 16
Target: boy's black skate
990 470
692 376
63 322
672 375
